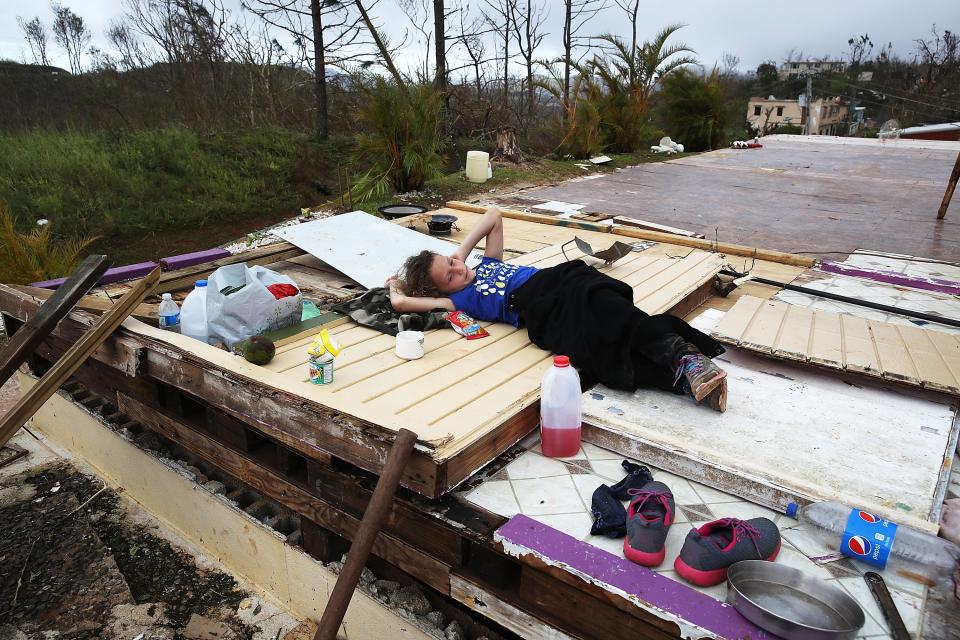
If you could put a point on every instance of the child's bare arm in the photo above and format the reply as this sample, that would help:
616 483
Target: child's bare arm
489 227
413 304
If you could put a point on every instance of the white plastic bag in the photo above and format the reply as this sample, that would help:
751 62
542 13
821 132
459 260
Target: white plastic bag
251 310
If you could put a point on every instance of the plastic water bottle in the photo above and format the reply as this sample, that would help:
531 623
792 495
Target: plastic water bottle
560 410
193 316
169 314
919 556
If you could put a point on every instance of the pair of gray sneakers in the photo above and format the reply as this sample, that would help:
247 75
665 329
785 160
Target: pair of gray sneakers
707 552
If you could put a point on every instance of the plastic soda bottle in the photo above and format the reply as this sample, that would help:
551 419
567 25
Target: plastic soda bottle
916 555
560 410
193 316
169 314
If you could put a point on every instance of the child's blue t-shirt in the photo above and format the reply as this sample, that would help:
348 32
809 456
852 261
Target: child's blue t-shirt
487 297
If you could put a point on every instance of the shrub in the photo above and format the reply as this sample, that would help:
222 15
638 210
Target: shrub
37 254
694 109
403 145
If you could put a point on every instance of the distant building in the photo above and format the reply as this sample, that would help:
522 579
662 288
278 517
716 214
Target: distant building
944 131
828 115
802 68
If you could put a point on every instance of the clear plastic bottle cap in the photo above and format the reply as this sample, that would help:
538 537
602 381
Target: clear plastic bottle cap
201 283
166 296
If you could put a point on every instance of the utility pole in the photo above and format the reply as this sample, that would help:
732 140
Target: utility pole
809 105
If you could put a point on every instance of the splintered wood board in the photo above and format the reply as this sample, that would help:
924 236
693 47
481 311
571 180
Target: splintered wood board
463 388
791 434
345 242
917 356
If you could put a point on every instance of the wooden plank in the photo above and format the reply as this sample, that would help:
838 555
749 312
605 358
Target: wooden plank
860 353
736 321
826 340
74 358
931 367
182 278
794 339
721 247
16 351
895 360
184 260
765 330
116 274
501 611
948 346
92 303
243 467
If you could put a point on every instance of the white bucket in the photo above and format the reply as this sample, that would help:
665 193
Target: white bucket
478 166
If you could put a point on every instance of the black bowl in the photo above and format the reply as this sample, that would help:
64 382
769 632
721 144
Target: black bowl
441 224
394 211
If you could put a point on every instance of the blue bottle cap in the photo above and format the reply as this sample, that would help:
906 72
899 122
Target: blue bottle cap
792 509
201 283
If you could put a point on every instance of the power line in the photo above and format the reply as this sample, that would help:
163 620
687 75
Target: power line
952 106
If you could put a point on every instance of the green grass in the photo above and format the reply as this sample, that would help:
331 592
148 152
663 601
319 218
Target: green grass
134 188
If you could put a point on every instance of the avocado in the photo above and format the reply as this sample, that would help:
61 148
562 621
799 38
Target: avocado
256 349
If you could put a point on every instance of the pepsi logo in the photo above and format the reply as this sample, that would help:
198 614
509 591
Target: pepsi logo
868 517
859 545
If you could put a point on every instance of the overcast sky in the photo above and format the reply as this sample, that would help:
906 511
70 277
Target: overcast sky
754 31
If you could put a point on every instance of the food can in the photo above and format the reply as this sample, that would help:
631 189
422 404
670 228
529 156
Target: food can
320 369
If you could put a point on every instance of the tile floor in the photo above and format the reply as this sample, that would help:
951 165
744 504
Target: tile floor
557 492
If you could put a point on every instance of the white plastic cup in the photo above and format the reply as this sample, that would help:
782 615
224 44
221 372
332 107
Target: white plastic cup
410 345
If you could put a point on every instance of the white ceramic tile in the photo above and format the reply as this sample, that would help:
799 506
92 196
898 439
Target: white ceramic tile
610 470
804 538
797 560
675 537
911 610
546 496
612 545
496 496
859 591
537 448
593 452
743 510
586 484
681 488
534 465
709 495
572 524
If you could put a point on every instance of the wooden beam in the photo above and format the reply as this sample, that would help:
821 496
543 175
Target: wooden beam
951 186
656 236
54 309
94 304
75 357
182 278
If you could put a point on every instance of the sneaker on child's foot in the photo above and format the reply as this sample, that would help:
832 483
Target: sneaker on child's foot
649 516
717 399
709 551
700 374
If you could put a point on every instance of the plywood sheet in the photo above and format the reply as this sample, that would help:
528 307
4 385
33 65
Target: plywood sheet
791 433
366 248
914 355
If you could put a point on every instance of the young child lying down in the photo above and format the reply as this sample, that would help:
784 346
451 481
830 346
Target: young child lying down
570 309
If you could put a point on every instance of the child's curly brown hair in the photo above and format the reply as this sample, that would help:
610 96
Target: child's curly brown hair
415 277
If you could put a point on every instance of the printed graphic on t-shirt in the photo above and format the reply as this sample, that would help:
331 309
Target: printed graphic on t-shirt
492 277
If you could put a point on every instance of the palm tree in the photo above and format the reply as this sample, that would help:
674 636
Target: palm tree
629 76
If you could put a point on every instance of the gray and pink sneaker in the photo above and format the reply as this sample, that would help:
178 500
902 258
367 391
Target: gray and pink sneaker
700 375
709 551
649 516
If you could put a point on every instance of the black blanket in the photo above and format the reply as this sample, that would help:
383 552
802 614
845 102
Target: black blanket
574 310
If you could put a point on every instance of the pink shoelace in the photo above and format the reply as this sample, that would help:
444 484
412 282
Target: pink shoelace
641 497
690 363
741 528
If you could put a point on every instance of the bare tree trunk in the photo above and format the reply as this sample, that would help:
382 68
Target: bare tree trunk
506 58
319 72
567 52
381 47
440 44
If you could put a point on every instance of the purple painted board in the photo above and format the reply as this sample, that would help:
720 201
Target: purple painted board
658 591
117 274
190 259
928 284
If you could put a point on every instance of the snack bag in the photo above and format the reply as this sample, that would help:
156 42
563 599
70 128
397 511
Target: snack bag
466 326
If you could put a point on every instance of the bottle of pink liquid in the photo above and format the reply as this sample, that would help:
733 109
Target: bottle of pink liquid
560 410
